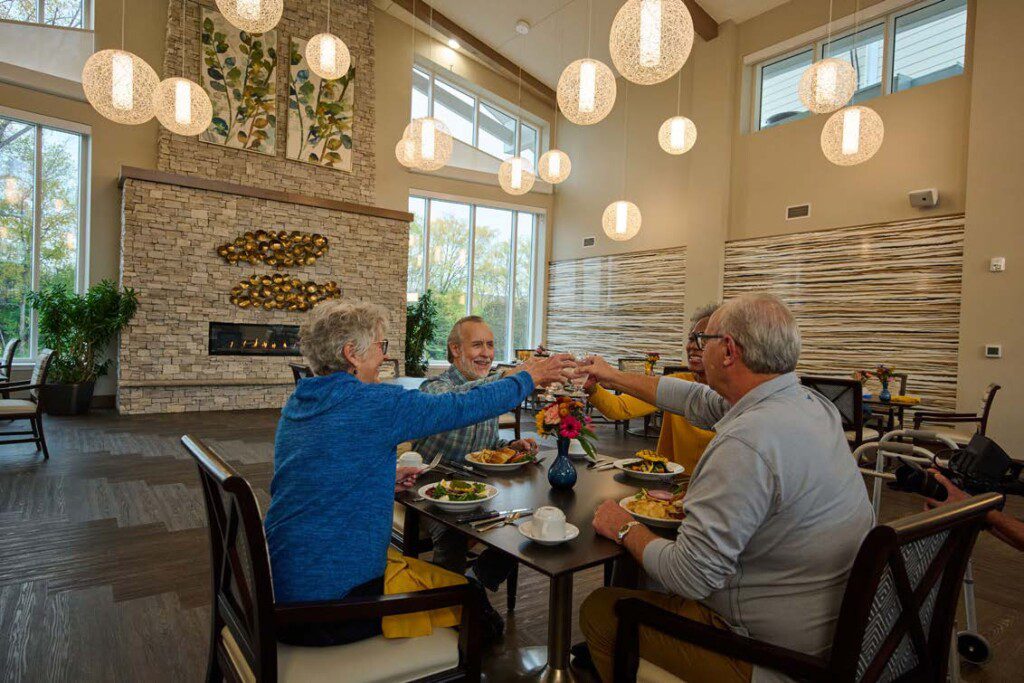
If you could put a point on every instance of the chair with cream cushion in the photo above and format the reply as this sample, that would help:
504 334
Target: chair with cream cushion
29 408
946 423
7 361
245 618
846 395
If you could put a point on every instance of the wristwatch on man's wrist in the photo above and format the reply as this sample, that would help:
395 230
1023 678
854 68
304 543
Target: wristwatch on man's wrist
620 537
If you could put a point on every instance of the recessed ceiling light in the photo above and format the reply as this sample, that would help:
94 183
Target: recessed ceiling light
453 44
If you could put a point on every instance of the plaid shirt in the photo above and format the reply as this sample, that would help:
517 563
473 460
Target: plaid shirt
459 442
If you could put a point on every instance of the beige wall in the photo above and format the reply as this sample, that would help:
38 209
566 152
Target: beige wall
995 171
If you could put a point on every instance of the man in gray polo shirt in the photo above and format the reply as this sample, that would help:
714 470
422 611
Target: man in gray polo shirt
775 510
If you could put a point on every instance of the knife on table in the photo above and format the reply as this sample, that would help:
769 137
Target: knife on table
488 514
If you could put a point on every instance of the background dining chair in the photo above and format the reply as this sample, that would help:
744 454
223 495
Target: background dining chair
896 618
636 365
300 371
7 361
30 408
945 423
388 369
846 395
246 618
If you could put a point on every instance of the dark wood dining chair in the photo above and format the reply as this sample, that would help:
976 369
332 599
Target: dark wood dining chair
389 369
846 394
30 408
7 361
945 423
673 369
300 371
246 618
895 622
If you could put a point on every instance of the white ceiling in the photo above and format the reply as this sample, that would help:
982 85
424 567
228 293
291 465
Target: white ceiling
559 33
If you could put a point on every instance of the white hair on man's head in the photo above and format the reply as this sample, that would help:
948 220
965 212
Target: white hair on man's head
332 325
704 311
765 329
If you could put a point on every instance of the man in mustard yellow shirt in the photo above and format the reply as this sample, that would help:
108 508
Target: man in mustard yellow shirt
679 440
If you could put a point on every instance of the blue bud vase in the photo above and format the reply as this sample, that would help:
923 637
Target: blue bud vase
884 395
562 473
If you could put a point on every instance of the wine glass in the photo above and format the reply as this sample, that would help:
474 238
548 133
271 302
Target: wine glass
579 381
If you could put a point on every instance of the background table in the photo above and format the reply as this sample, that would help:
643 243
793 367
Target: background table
529 488
893 412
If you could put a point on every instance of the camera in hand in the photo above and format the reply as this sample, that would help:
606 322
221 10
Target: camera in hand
980 467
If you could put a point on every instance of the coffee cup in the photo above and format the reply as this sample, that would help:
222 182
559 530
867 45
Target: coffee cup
549 523
410 459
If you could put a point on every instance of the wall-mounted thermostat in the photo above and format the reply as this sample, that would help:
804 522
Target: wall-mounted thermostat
993 350
589 241
997 264
924 199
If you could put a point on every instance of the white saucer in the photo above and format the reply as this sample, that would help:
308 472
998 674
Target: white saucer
526 529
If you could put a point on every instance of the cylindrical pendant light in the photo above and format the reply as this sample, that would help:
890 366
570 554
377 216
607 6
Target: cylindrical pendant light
120 85
586 88
253 16
678 134
326 54
650 40
554 166
853 135
181 105
431 143
621 219
515 175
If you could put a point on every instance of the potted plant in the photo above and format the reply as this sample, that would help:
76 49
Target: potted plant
420 325
78 327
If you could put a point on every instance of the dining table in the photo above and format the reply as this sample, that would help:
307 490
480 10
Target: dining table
528 488
891 412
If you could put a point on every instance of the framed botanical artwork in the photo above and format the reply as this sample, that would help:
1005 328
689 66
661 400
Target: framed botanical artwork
238 74
320 113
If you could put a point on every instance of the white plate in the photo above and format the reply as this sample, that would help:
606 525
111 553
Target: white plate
494 467
675 469
526 529
651 521
457 505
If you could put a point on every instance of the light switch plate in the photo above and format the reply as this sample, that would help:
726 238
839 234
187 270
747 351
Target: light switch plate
993 350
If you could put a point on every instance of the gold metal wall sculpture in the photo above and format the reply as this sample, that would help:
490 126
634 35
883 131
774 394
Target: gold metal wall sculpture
282 292
275 248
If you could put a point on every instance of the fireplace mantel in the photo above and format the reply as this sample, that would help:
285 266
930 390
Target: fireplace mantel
198 183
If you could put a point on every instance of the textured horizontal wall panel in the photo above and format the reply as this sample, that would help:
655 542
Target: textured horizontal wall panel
864 295
622 305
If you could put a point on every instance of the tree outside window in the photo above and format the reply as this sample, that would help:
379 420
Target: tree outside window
69 13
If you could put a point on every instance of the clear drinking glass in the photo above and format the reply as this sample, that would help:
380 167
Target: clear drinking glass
579 381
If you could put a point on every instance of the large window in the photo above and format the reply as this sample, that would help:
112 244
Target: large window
476 260
474 119
920 44
70 13
41 209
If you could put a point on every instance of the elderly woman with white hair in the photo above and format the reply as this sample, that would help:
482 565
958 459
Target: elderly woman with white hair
774 514
329 522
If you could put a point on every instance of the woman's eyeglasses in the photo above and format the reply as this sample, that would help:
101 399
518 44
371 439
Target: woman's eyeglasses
701 339
383 345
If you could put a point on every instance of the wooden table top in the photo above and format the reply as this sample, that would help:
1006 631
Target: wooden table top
528 488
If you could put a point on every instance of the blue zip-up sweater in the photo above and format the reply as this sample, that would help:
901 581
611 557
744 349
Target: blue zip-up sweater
329 522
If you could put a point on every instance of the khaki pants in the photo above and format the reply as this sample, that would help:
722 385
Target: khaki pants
688 662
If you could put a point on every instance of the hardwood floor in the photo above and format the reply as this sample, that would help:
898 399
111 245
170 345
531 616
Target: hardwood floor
104 568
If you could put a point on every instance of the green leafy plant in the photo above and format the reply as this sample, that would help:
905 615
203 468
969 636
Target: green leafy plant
420 325
319 114
78 327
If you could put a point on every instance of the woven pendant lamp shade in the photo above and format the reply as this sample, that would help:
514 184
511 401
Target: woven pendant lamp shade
827 85
254 16
120 86
328 56
515 175
621 220
651 39
586 91
677 135
554 166
431 143
182 106
405 152
852 135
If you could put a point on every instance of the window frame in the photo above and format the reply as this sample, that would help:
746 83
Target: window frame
41 13
537 240
41 123
885 15
481 97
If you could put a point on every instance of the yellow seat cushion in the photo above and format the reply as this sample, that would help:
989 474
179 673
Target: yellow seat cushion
652 673
16 406
375 660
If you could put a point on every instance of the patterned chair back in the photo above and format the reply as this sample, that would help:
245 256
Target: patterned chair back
10 348
897 614
388 369
634 365
844 393
300 371
40 371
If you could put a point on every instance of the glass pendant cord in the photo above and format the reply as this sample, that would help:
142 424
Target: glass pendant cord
183 40
329 3
590 23
828 40
122 24
625 140
853 53
679 93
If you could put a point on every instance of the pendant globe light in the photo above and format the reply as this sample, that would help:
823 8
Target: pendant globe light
852 135
621 220
515 175
181 105
829 84
405 152
554 165
586 88
120 85
650 40
678 134
326 54
253 16
431 143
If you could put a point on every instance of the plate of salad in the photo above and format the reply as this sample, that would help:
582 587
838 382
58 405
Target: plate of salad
458 495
